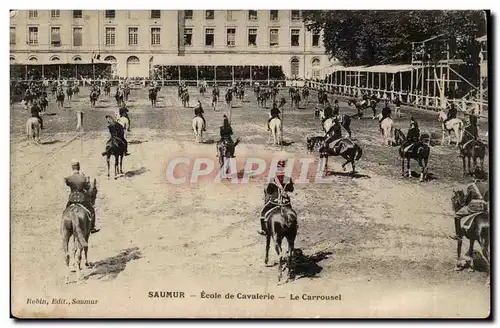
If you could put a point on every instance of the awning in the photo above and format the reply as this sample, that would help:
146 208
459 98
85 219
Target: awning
373 69
218 60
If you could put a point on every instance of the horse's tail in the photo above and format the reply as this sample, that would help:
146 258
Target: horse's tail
236 143
77 230
289 216
359 152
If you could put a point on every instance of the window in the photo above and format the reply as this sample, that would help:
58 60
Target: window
209 14
315 40
295 67
110 14
209 37
77 13
32 13
155 35
55 13
77 36
274 37
12 35
296 15
315 65
295 37
273 15
188 14
231 37
252 37
55 36
188 36
229 14
155 14
252 15
33 35
110 36
133 36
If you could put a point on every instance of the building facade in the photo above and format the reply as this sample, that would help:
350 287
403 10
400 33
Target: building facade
136 40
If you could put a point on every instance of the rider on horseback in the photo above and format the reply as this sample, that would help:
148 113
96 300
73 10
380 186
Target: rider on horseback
477 199
336 107
116 131
35 112
271 193
386 112
452 113
198 111
471 127
226 131
275 113
123 112
79 185
413 135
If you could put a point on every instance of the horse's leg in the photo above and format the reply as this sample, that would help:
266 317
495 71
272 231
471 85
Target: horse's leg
107 161
291 246
277 246
474 162
442 139
468 163
408 167
268 242
465 169
470 255
79 262
121 164
66 235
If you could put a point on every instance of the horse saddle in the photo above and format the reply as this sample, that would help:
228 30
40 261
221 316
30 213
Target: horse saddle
80 205
408 148
467 221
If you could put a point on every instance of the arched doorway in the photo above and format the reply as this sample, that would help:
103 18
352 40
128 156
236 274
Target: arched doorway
294 67
316 72
112 61
133 67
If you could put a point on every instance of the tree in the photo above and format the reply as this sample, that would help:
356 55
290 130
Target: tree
359 37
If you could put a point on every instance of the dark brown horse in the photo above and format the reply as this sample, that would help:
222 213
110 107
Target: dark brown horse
418 151
116 147
76 222
478 231
281 222
225 151
473 149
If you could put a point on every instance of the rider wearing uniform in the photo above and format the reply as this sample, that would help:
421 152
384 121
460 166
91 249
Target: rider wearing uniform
477 198
413 135
452 113
79 185
336 107
123 111
275 113
271 192
116 131
35 112
226 132
198 111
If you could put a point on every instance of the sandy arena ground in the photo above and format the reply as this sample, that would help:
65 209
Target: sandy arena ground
379 240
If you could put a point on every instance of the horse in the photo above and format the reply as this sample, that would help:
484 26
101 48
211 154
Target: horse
153 94
240 94
346 148
386 129
198 129
126 93
229 99
296 100
471 148
305 94
281 222
225 151
93 98
276 131
399 137
203 89
262 98
359 105
322 98
418 151
477 230
115 147
185 98
454 124
107 90
60 99
69 92
33 129
344 120
76 90
120 102
76 222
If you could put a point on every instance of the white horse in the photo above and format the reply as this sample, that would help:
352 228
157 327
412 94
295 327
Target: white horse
454 124
33 129
387 130
276 131
198 129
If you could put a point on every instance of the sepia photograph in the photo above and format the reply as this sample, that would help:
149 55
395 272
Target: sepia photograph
249 164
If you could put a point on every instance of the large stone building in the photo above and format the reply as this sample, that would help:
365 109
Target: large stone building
136 40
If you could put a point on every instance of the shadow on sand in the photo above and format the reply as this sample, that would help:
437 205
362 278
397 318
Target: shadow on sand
356 175
136 142
50 142
307 265
109 268
209 142
134 173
